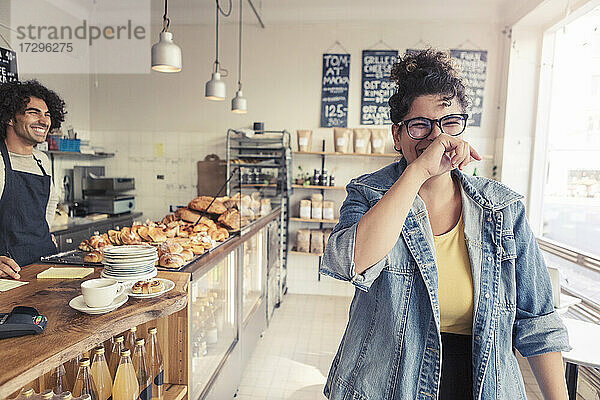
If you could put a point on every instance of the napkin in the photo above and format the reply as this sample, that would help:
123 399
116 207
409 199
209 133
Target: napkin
65 273
7 284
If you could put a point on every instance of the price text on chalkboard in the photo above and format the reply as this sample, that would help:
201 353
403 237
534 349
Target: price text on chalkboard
473 66
334 90
8 66
376 86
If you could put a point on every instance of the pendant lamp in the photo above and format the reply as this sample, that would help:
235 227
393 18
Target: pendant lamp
239 105
166 55
215 88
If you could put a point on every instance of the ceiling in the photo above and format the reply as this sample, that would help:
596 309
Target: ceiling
315 11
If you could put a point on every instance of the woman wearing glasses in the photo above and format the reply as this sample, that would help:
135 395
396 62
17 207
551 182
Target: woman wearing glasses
448 272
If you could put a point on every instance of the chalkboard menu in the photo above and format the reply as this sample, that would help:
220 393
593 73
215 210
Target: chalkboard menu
334 90
8 66
473 66
376 86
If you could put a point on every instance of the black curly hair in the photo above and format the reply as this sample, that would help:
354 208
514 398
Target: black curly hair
14 97
424 72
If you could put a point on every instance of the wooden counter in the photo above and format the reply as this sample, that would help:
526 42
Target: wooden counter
70 332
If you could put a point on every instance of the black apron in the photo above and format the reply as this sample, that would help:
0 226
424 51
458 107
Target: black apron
24 232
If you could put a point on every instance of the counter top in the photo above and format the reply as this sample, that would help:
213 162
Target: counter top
208 260
82 222
69 332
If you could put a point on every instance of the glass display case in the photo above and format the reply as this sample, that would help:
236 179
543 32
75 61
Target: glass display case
213 324
253 270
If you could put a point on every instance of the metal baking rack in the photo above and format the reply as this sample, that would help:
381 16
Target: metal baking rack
266 154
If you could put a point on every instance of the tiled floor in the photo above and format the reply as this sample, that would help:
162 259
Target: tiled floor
291 361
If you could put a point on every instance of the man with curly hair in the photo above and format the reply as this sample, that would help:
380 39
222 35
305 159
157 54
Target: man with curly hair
28 199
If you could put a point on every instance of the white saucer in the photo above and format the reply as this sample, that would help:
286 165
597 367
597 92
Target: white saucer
169 285
79 304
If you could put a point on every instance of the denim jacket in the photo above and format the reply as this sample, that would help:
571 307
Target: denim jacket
391 348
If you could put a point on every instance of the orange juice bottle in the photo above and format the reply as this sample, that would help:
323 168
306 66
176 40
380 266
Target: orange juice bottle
126 385
84 383
115 355
101 374
156 365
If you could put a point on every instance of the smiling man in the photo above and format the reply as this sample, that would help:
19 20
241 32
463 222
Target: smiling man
28 199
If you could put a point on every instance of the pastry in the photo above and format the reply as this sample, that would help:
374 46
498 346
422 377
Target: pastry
146 287
93 257
142 231
201 204
114 237
196 249
97 242
169 218
169 247
187 215
157 234
186 254
172 232
171 261
219 234
85 246
128 237
233 220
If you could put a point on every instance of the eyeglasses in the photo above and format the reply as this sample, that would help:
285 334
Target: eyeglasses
420 127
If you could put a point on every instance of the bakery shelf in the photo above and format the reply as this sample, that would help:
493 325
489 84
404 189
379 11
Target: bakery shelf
259 185
174 392
317 220
332 153
318 187
301 253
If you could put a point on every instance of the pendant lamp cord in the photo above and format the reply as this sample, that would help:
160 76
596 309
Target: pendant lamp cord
225 14
240 51
166 20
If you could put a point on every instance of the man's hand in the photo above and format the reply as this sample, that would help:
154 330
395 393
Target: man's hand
9 268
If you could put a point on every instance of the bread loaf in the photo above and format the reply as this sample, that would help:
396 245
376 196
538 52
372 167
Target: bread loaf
201 204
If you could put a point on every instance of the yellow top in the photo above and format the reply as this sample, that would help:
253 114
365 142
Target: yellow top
455 282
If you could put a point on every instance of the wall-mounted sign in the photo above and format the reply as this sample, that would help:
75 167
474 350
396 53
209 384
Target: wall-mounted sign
376 86
334 90
8 66
473 66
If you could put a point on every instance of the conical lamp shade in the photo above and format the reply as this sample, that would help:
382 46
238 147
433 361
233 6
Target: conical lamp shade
215 88
239 105
166 55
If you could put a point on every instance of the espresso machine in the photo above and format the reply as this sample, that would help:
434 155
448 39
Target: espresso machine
102 194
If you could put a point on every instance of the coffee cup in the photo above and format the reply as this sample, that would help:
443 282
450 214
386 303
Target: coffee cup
100 292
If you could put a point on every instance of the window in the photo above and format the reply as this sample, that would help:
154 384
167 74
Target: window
570 215
571 201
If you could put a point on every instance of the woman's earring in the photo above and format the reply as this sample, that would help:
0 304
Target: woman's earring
398 150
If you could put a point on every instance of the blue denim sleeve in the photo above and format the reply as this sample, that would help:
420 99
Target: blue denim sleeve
338 258
538 328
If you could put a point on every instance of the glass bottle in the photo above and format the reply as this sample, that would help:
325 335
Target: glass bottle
25 394
131 338
156 364
115 355
101 374
84 383
58 380
126 385
65 396
140 364
47 394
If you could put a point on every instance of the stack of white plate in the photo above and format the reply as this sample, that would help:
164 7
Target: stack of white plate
127 263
